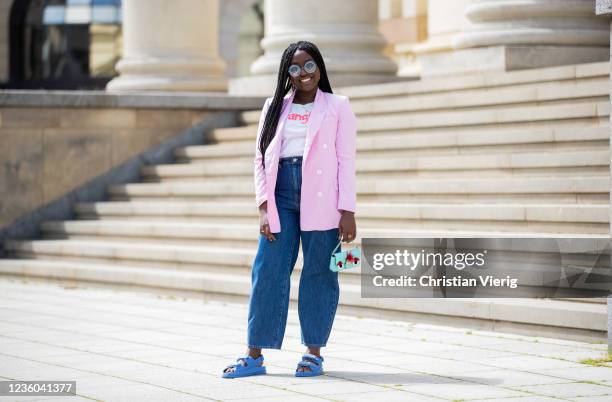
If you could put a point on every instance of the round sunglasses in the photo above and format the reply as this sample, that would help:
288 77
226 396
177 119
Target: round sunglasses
310 67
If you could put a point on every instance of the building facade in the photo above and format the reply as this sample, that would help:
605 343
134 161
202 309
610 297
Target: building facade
219 45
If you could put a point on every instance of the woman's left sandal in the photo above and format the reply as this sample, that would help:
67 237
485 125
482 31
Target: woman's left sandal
250 367
313 362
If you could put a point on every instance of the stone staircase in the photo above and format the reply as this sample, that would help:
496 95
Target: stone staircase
515 154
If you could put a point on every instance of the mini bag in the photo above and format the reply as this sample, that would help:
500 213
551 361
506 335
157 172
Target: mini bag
344 259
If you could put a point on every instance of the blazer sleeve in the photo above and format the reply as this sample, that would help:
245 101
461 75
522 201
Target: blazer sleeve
259 172
346 152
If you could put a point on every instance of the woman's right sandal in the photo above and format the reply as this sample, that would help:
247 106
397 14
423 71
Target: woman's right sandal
250 367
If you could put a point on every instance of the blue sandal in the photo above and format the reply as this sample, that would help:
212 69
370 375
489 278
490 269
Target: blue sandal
250 367
313 362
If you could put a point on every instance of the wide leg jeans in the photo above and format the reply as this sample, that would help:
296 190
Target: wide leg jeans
273 265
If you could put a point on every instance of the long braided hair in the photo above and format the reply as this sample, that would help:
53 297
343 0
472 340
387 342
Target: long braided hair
284 84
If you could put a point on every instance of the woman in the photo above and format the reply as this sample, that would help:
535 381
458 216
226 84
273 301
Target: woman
305 189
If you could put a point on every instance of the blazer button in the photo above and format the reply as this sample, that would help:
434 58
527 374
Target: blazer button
325 146
318 171
319 194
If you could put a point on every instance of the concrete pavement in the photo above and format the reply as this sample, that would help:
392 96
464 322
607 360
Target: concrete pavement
125 345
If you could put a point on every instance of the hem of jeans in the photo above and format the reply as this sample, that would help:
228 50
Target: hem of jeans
314 345
264 347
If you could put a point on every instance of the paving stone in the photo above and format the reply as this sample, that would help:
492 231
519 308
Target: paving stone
395 379
507 378
282 377
160 356
387 396
19 368
569 390
286 398
238 391
75 398
110 346
463 390
332 388
139 392
593 399
531 363
525 399
584 373
179 379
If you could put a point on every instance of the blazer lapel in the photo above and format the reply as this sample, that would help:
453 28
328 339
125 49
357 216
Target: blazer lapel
314 121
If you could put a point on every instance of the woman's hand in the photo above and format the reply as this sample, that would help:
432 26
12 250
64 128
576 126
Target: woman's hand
347 226
264 226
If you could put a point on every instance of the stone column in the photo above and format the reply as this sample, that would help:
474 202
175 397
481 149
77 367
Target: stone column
232 37
404 24
604 8
517 34
346 32
170 46
5 15
442 19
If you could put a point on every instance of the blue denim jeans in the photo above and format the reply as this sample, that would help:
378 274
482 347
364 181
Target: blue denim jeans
273 265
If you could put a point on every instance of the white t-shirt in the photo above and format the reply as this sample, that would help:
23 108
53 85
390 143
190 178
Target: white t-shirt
294 131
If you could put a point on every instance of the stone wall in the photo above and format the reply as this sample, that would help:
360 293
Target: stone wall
50 145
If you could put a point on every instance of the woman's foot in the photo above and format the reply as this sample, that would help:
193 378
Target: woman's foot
311 351
255 354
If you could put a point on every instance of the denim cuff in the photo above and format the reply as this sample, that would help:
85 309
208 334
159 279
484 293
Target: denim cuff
264 347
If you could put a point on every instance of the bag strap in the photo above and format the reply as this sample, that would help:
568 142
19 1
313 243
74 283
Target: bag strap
338 245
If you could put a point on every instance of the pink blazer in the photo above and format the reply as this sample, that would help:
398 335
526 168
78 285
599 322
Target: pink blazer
328 163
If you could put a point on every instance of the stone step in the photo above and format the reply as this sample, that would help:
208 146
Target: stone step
196 257
501 116
477 91
230 259
561 162
371 217
194 173
193 210
550 93
399 198
382 186
232 135
484 98
161 255
200 230
217 259
556 315
441 85
506 115
447 141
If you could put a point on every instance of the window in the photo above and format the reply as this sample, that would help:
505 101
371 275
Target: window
67 44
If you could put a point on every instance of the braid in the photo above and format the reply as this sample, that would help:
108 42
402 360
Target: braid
283 85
